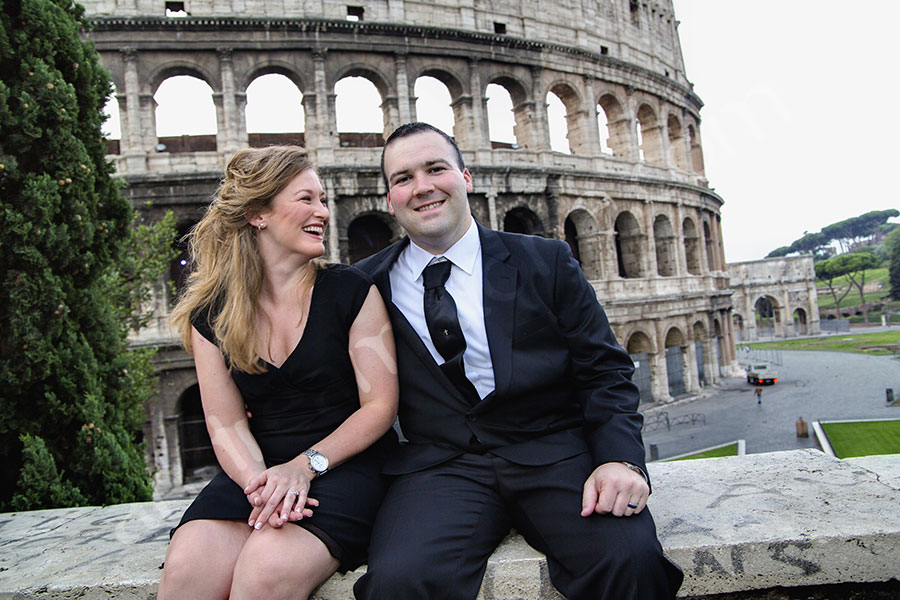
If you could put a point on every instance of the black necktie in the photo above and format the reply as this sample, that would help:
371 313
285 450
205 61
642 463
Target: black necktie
443 325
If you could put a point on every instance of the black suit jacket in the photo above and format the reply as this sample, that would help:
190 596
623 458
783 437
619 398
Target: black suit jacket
562 383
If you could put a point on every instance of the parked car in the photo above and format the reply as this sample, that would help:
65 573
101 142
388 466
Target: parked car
761 374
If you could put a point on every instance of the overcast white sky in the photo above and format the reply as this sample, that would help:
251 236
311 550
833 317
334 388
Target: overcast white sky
800 126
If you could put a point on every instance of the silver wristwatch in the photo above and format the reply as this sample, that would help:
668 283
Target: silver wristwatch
318 462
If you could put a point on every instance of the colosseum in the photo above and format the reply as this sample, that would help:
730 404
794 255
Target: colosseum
616 171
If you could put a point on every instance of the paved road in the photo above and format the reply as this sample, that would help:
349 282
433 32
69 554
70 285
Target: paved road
814 385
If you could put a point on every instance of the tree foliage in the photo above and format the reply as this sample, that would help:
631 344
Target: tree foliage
892 242
848 233
827 271
71 393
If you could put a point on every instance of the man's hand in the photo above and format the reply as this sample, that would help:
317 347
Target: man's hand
614 488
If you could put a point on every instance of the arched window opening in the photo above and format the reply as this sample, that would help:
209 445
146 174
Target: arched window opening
699 331
275 112
603 127
710 247
523 220
676 143
648 136
571 233
616 125
501 119
691 246
433 104
639 348
556 119
628 246
675 344
664 238
198 460
800 323
766 316
737 322
696 150
360 120
179 267
366 235
185 115
112 126
580 229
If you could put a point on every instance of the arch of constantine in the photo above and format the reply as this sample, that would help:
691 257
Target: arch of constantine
623 184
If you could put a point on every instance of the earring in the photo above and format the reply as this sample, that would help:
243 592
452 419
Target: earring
261 226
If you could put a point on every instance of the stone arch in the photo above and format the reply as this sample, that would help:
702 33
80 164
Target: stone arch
576 130
649 141
691 246
664 238
448 78
112 126
370 72
616 124
198 460
522 219
767 315
675 350
178 68
582 235
368 233
275 67
801 322
676 142
640 348
557 126
629 251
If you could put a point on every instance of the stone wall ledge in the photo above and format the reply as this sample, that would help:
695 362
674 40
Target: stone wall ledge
735 525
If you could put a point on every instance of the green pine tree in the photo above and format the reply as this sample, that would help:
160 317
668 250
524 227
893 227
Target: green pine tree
892 243
71 393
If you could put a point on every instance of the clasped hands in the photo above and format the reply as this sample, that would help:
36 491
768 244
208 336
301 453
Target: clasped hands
280 494
615 489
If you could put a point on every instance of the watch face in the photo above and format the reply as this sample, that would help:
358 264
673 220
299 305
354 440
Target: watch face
318 462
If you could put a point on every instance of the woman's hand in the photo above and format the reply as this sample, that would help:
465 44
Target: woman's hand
280 494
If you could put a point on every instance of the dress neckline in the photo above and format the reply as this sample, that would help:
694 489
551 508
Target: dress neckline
312 299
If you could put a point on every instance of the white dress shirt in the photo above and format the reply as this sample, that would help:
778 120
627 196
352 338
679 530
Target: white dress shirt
464 284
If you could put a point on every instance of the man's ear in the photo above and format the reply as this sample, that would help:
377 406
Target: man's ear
390 205
468 177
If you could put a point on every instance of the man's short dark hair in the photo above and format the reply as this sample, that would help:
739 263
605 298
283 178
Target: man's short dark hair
412 129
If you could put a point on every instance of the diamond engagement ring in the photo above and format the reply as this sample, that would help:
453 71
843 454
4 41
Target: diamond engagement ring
293 493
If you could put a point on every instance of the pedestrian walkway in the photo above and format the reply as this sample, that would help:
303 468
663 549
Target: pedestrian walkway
817 386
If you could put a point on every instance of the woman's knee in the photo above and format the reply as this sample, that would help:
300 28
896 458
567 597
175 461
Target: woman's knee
286 562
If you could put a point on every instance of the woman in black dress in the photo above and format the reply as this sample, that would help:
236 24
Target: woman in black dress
295 362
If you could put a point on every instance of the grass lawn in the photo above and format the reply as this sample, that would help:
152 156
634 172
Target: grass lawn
883 342
863 438
729 450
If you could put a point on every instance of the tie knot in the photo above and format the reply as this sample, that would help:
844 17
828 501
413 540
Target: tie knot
436 274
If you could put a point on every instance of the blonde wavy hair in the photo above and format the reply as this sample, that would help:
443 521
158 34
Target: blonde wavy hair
227 269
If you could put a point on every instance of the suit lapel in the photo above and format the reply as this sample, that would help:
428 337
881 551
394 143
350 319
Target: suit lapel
403 331
499 298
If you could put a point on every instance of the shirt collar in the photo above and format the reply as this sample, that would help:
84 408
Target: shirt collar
463 253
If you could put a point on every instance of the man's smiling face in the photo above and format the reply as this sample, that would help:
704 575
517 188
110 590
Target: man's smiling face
427 191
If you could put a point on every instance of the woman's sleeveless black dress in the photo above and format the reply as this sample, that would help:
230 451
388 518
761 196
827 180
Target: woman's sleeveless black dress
300 403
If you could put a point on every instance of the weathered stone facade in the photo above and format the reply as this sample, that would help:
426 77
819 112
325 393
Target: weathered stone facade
635 208
775 297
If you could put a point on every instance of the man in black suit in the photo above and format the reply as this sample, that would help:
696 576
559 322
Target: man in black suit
515 398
